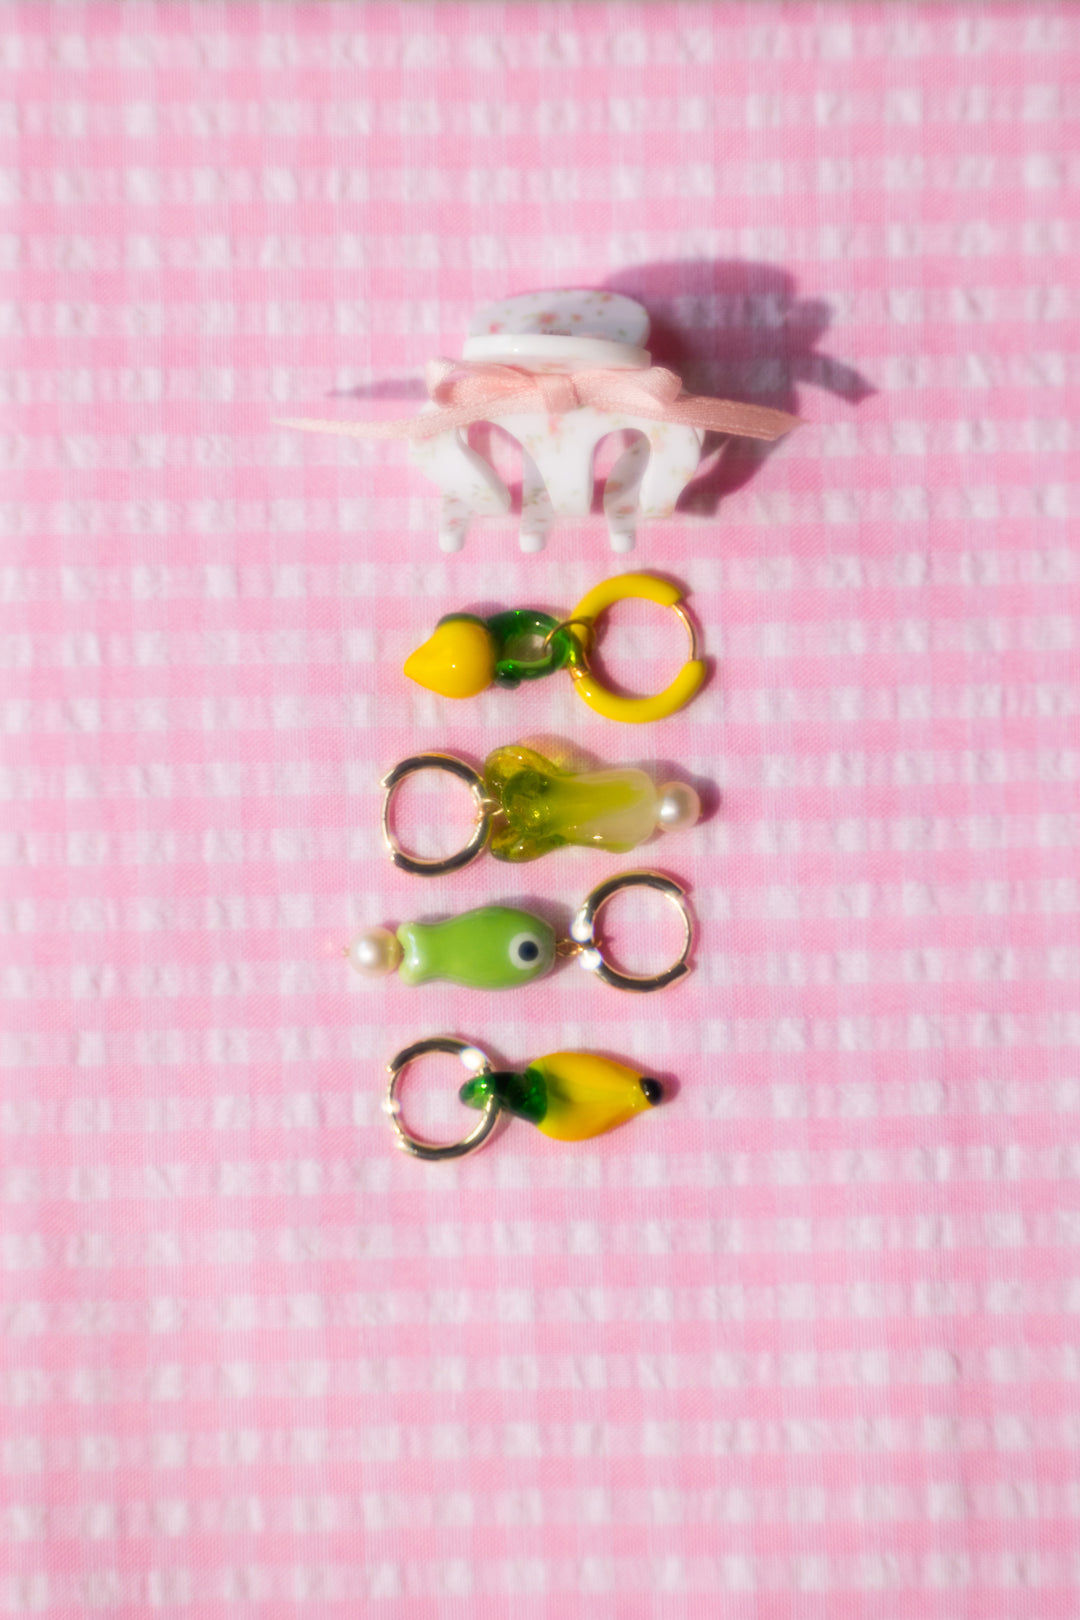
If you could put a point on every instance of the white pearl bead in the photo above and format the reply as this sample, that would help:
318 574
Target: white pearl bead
679 807
375 953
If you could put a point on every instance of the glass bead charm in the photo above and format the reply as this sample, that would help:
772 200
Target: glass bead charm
500 947
568 1096
543 808
526 805
466 654
493 948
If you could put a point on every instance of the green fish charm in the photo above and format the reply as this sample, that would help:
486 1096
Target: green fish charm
498 947
493 948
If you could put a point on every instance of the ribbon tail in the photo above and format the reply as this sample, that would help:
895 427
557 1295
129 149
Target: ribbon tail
427 425
731 417
348 430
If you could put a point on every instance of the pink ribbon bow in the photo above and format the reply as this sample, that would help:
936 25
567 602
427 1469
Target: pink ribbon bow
468 391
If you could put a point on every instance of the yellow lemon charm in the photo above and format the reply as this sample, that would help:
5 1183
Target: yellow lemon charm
466 654
458 661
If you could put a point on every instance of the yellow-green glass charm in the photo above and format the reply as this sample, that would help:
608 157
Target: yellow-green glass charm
542 807
569 1095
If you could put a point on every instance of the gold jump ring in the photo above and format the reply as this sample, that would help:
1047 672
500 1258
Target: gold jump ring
436 866
591 950
415 1145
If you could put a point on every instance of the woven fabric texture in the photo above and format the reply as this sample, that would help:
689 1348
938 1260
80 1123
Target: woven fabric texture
803 1341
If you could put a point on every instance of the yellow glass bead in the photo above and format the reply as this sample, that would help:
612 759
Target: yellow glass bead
588 1095
457 661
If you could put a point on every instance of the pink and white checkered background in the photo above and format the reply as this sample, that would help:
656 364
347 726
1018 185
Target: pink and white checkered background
802 1343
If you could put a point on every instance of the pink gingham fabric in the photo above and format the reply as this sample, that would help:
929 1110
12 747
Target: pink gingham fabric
802 1343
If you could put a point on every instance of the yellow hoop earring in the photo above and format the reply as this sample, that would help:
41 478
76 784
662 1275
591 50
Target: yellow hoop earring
635 710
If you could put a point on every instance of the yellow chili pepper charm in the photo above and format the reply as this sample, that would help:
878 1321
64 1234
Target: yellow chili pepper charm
569 1096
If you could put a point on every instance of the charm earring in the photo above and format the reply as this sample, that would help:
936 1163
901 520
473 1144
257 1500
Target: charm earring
499 947
570 1096
525 806
467 654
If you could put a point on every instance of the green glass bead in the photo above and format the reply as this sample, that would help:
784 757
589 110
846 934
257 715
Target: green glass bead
542 807
493 948
528 645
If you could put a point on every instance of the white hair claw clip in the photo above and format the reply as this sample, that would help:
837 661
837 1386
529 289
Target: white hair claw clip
559 371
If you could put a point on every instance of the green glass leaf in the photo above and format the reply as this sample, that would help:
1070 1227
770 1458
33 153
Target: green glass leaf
522 1094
